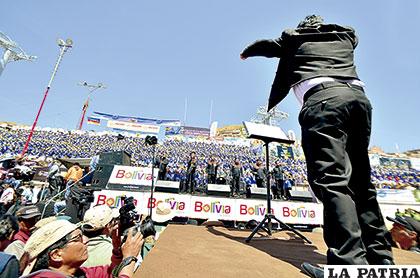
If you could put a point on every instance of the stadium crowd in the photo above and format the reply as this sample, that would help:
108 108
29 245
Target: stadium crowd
75 144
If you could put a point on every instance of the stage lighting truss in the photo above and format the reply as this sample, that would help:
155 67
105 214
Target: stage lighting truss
273 117
92 87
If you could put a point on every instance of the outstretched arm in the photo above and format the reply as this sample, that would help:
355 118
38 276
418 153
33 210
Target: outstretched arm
266 48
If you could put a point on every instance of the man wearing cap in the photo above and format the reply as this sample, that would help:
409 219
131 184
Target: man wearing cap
27 218
98 224
58 249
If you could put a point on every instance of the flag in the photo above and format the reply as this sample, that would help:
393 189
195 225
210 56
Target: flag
93 121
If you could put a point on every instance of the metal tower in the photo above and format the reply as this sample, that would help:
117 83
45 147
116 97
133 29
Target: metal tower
12 52
272 117
92 88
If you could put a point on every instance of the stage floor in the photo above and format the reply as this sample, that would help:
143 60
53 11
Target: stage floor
197 251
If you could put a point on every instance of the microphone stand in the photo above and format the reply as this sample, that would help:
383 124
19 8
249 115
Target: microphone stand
153 180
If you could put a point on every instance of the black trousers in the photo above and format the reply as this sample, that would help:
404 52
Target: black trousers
190 183
277 187
211 178
260 183
54 184
161 176
235 185
336 125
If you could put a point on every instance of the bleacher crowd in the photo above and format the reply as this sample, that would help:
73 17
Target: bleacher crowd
65 144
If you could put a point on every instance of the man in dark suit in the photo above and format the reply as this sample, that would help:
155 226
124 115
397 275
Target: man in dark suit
162 163
316 60
260 173
211 170
191 168
278 191
236 171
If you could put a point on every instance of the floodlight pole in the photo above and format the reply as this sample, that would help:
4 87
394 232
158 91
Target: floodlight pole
64 46
92 88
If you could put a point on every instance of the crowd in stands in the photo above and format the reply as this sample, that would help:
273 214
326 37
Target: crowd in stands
65 144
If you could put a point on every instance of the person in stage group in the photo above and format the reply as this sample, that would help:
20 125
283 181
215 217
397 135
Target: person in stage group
163 167
278 191
211 170
260 173
236 172
191 168
316 60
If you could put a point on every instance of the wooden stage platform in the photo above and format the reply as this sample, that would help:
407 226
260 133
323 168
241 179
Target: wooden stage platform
198 251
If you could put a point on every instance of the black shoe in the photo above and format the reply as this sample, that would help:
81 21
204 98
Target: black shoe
386 262
312 271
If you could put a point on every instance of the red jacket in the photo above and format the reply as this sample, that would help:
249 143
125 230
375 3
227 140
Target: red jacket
91 272
103 271
22 236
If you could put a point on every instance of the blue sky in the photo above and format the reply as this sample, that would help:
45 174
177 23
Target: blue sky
154 54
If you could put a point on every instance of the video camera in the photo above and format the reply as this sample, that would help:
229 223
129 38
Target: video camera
130 220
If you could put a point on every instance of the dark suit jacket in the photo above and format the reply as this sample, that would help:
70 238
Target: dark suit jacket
307 53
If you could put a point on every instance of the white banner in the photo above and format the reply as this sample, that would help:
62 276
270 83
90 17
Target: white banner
132 126
396 196
217 207
212 208
132 175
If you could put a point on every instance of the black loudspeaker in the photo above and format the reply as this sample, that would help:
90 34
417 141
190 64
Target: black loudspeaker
101 176
301 196
167 186
218 189
258 192
115 158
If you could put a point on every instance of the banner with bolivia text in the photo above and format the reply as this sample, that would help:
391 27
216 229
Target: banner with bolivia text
204 207
143 128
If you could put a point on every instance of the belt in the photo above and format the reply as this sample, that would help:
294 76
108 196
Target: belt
327 85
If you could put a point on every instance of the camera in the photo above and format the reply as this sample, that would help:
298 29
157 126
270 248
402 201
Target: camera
129 220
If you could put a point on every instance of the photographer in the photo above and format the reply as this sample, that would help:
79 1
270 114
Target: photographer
99 224
78 202
58 249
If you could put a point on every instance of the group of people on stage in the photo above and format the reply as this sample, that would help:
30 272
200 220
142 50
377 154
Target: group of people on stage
281 185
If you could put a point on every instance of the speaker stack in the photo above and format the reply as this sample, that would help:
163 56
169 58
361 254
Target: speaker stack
218 190
301 196
167 186
258 192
